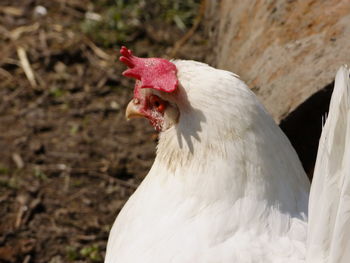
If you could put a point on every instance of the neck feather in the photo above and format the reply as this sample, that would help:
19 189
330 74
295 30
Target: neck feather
235 161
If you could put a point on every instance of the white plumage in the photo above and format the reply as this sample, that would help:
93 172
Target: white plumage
329 208
227 186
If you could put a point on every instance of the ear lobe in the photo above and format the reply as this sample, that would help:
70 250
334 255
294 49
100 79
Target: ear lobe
171 115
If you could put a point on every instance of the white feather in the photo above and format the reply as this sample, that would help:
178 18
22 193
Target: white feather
226 185
329 225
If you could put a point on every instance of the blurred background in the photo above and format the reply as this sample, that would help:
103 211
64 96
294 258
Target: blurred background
68 158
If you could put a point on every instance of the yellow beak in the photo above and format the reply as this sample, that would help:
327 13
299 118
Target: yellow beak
132 111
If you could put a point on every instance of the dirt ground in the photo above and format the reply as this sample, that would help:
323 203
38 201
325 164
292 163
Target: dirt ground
68 158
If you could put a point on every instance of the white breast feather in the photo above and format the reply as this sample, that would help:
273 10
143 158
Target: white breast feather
226 185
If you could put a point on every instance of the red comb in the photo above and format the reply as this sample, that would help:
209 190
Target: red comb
156 73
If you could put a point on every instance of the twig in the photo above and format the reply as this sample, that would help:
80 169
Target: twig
10 61
98 52
116 180
34 105
5 73
27 259
125 183
22 200
16 33
44 47
76 195
4 32
10 10
18 160
188 35
22 55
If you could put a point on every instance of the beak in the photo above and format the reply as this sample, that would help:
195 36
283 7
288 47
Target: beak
132 111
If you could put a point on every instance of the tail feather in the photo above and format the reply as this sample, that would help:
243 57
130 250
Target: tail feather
329 205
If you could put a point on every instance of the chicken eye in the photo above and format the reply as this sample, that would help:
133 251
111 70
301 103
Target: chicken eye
157 103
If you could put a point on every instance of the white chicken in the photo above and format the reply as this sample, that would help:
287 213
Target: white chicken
226 184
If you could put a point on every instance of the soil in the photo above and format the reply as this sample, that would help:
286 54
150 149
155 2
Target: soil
68 158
